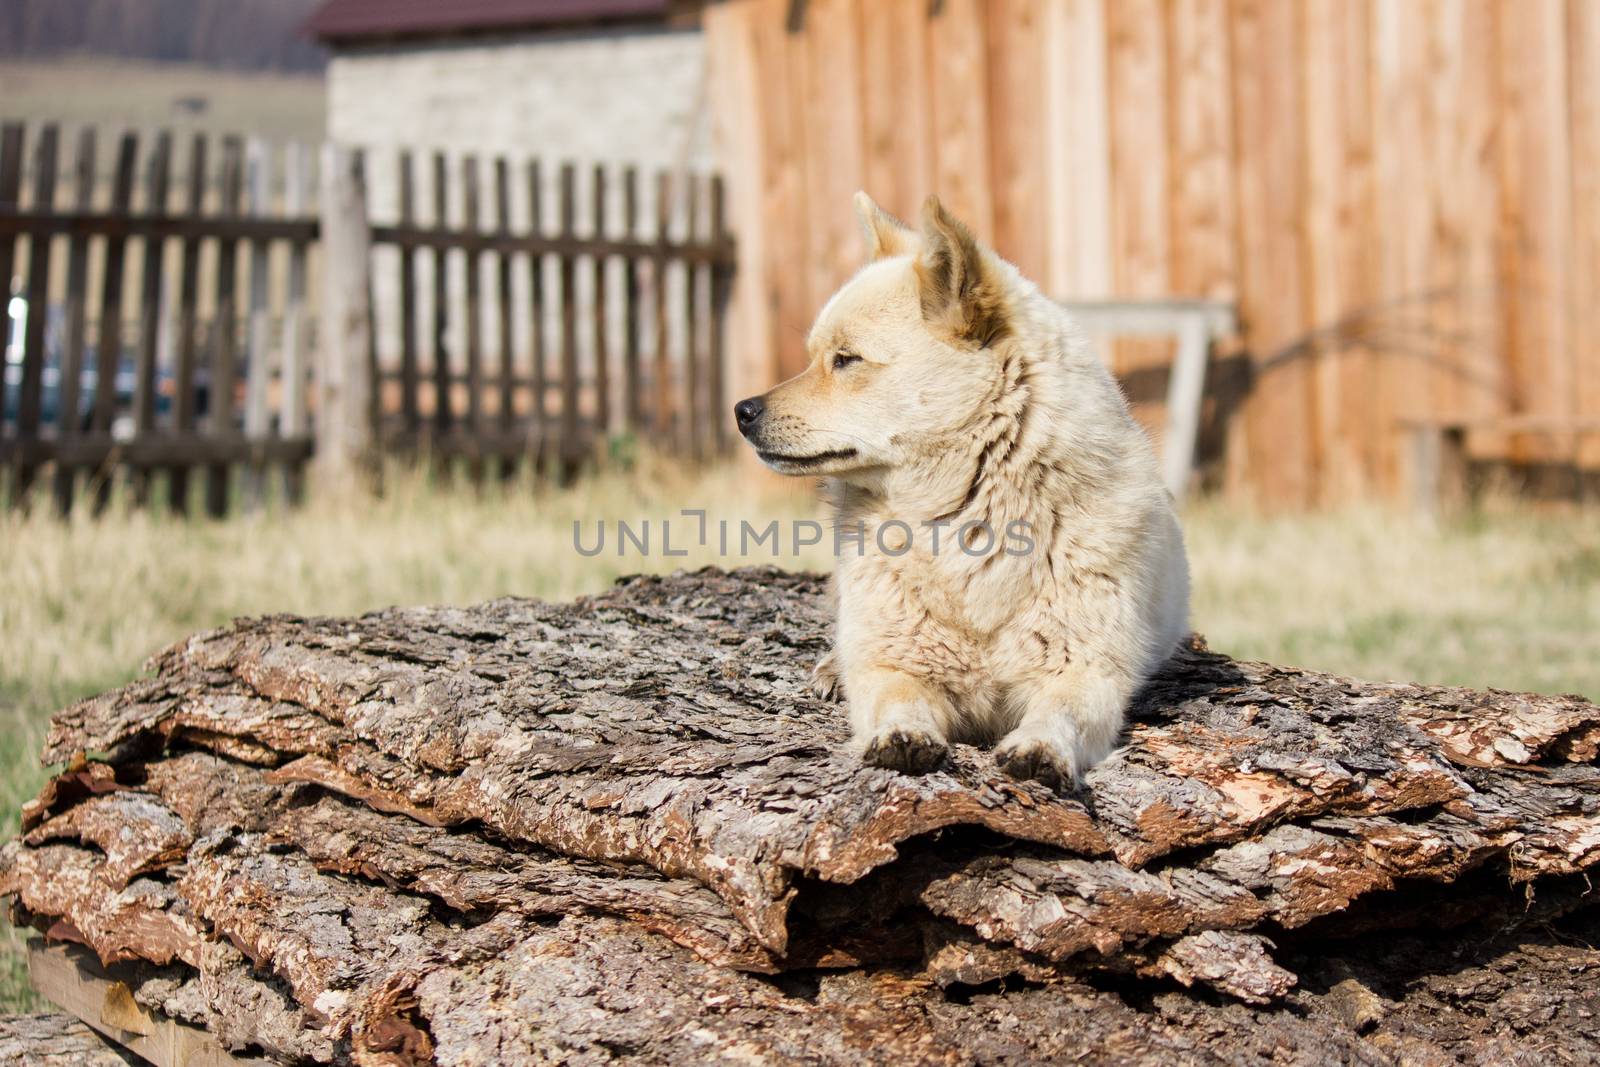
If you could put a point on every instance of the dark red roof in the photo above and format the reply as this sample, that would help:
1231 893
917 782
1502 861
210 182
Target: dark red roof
343 20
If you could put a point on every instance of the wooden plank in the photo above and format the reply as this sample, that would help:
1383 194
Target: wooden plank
1341 242
1201 256
503 300
443 415
779 240
1077 201
661 379
164 224
957 47
159 451
474 295
1535 172
11 148
690 436
184 401
536 283
1017 155
346 380
109 352
896 118
258 353
71 978
716 358
830 86
1274 444
72 361
410 411
568 447
30 389
1469 370
157 179
224 328
631 387
602 353
1583 42
739 99
295 419
1140 221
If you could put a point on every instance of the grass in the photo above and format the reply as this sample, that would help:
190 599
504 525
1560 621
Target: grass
1502 598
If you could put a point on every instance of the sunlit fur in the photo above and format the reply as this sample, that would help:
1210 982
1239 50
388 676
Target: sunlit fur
973 399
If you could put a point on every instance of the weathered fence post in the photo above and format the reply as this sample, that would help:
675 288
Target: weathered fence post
344 378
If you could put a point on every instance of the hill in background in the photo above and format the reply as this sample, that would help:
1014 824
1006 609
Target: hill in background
237 34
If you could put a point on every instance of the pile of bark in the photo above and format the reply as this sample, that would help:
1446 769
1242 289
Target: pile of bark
623 828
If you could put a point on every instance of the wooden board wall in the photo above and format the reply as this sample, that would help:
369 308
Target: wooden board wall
1400 194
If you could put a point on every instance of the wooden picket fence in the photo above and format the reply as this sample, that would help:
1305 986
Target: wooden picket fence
641 367
190 350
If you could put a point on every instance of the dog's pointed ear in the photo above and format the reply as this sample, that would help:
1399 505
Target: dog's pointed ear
960 294
883 234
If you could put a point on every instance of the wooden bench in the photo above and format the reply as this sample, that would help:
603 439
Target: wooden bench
1197 325
1437 450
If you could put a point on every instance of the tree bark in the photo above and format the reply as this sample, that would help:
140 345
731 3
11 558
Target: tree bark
530 832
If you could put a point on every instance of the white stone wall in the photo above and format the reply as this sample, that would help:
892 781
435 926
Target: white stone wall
631 95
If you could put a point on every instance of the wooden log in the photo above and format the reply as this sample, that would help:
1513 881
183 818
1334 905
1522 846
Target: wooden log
1222 752
388 815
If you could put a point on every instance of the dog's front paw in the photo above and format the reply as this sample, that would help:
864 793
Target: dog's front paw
1036 759
911 751
825 679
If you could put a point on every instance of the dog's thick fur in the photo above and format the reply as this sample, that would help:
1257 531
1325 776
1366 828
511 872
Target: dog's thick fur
946 392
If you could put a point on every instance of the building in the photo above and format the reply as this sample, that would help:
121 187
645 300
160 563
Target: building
587 80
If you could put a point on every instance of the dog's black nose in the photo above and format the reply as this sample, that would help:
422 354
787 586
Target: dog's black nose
748 412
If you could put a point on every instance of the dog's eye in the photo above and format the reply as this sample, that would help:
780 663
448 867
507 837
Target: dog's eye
844 359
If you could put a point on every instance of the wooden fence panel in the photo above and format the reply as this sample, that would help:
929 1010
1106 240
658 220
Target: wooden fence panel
1398 195
186 407
1584 65
77 320
602 350
224 333
1140 187
185 402
503 307
30 389
11 142
1536 175
1341 269
570 387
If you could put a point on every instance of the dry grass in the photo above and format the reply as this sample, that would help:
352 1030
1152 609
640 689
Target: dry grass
1500 598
